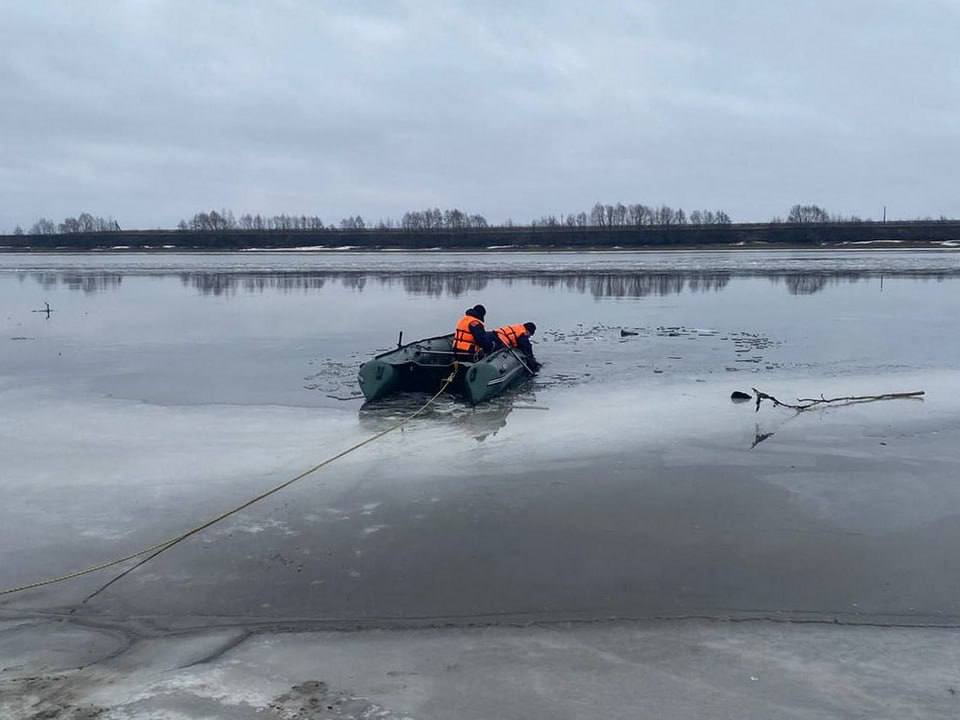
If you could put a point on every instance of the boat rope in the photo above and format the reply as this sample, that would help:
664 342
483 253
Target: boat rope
154 550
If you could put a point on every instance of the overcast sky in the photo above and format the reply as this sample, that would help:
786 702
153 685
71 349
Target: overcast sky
151 111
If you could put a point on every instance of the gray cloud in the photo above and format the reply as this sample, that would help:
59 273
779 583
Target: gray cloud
150 111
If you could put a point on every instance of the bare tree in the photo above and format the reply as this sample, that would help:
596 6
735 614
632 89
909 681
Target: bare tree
352 223
620 214
597 216
87 222
43 226
545 221
808 214
608 215
664 215
200 221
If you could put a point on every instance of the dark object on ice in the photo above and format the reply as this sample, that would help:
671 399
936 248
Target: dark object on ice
422 366
46 310
627 333
738 396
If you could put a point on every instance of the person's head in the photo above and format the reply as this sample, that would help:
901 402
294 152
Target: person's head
530 328
477 311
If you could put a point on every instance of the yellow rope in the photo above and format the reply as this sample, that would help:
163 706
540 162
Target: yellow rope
160 547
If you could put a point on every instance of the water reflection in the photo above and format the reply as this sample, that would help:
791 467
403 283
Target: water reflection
437 284
83 281
220 283
637 284
812 283
477 422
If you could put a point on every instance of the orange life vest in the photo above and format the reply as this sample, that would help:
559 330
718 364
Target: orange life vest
462 337
510 334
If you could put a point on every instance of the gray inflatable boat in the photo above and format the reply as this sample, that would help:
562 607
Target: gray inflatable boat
423 365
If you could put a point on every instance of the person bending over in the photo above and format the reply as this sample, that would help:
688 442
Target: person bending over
518 336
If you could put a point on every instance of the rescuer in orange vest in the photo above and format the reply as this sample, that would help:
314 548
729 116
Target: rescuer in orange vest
470 339
518 336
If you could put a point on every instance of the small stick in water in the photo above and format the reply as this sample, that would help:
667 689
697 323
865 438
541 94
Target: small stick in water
46 310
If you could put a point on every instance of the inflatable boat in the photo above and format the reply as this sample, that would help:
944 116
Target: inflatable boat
424 365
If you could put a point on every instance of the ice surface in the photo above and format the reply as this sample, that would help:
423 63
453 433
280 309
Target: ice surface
675 671
621 481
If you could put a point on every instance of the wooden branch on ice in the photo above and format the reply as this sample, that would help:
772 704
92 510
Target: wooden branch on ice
808 403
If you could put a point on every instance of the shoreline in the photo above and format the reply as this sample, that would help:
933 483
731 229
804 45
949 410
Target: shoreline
621 237
864 246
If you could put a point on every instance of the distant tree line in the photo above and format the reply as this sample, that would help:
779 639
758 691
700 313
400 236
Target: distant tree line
809 214
84 223
431 219
635 215
805 214
225 220
606 216
436 219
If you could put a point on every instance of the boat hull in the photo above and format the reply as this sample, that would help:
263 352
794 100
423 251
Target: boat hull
492 375
424 365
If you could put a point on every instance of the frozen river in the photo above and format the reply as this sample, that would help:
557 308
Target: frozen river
619 486
621 482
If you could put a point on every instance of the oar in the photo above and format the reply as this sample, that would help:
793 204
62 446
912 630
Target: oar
520 358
